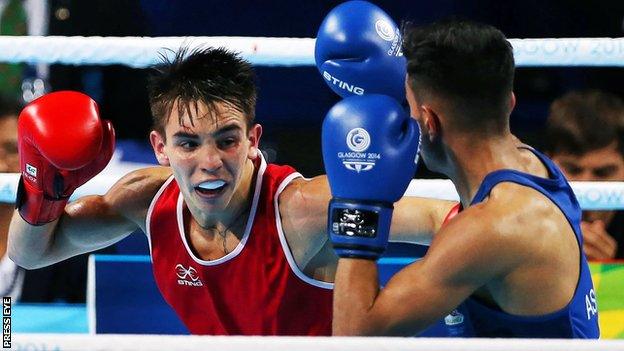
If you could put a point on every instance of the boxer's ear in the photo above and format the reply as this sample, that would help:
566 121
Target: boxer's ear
158 144
512 101
432 122
254 134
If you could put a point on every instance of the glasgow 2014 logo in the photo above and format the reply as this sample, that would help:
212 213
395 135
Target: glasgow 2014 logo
358 141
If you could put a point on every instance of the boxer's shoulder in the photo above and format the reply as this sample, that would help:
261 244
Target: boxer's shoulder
133 193
303 203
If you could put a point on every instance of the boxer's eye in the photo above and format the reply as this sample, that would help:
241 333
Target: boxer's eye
188 145
227 142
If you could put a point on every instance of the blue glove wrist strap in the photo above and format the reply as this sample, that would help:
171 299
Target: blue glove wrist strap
359 229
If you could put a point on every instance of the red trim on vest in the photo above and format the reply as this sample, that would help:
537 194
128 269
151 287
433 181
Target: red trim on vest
452 213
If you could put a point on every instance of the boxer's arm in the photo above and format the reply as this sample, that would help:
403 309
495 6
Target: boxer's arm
303 211
464 256
303 208
87 224
417 219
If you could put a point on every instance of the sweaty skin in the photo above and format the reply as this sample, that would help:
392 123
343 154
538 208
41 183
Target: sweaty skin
515 250
221 148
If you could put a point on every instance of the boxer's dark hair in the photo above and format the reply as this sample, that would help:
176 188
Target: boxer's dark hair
581 122
208 75
468 64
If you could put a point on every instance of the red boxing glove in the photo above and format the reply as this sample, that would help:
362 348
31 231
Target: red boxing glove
62 144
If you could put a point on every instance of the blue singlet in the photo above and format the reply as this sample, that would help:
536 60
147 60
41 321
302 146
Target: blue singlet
579 319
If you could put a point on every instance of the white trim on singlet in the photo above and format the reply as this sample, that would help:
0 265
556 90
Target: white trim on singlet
282 237
250 221
150 209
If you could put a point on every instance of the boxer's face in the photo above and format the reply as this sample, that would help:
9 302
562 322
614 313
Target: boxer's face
211 158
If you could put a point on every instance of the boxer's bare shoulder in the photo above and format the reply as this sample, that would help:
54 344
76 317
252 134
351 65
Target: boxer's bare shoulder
130 196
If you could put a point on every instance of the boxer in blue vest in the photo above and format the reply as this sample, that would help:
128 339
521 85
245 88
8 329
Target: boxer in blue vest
512 254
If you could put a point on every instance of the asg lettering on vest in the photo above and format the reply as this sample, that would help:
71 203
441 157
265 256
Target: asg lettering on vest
590 304
343 85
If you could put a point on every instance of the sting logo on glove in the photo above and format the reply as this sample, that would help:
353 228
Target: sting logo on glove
358 51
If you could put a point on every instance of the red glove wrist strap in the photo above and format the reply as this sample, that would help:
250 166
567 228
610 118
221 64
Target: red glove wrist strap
35 207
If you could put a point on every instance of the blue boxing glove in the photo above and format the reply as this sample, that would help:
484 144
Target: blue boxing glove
370 149
358 51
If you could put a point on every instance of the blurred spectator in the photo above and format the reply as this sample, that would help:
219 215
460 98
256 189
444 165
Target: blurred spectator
62 282
584 136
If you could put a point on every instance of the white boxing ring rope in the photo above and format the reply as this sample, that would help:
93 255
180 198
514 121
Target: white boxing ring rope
140 52
143 52
591 195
